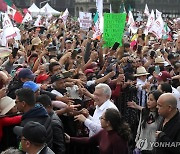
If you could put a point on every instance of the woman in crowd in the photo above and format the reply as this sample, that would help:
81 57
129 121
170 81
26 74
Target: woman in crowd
149 121
113 138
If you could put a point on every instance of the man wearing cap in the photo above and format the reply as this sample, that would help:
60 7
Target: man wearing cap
165 77
25 102
33 138
24 75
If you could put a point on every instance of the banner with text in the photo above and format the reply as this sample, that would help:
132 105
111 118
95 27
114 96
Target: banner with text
113 28
85 20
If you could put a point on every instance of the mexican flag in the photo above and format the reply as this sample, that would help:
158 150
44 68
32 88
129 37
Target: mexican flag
4 4
9 7
14 14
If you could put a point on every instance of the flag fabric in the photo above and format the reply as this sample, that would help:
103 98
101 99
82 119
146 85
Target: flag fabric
38 21
27 18
65 16
14 14
99 6
8 29
158 27
4 4
97 32
166 31
131 23
146 10
149 23
122 8
158 13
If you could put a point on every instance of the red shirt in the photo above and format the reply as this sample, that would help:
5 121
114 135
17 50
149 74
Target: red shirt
7 121
109 142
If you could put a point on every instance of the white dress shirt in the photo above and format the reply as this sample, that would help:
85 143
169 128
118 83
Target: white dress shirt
92 122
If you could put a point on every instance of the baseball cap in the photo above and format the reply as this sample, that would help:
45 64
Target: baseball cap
42 77
164 76
57 77
26 73
32 131
31 85
87 71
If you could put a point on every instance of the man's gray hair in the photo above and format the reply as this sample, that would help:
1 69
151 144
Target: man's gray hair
106 89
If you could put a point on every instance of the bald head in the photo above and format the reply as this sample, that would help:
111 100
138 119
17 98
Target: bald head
168 99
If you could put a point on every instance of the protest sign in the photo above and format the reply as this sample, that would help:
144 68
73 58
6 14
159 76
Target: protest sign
85 20
113 28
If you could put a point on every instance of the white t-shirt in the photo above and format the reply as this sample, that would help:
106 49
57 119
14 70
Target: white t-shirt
176 94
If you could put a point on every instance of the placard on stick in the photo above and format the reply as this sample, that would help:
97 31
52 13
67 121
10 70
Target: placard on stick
113 28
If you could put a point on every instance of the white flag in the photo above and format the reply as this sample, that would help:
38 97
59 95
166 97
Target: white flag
158 13
99 6
8 29
149 23
27 18
65 16
38 21
158 27
146 10
131 23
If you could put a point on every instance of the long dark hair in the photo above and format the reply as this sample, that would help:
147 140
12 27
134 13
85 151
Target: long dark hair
145 112
117 123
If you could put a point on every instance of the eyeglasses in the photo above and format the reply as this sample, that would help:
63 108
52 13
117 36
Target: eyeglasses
102 118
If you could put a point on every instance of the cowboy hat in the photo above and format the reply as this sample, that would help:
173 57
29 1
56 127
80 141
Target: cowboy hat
140 71
36 41
6 104
159 60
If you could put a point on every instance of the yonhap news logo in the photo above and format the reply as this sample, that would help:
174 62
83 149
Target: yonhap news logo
142 144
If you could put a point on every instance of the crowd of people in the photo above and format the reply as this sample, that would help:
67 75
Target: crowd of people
63 92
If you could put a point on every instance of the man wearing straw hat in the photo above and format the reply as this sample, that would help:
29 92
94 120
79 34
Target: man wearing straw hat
142 85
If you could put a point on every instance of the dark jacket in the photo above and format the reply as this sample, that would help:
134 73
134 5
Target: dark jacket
46 150
58 134
39 114
169 137
13 86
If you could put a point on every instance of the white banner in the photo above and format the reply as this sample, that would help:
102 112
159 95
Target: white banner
131 23
158 27
27 18
150 21
8 29
85 20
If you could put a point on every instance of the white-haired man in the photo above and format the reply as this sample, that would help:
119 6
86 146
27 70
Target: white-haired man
102 95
